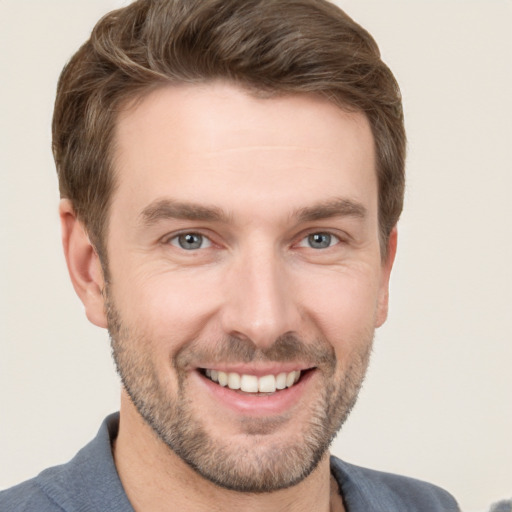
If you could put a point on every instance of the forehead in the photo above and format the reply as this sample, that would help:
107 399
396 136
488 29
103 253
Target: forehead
217 140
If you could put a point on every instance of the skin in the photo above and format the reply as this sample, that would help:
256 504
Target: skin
276 170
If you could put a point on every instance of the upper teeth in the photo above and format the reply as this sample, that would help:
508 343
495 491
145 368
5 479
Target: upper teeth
252 383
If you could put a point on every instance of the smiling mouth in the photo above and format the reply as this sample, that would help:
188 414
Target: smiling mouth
252 383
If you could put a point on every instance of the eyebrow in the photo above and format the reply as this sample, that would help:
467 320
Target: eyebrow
168 209
163 209
338 207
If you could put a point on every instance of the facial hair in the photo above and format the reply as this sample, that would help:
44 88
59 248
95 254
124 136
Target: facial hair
257 466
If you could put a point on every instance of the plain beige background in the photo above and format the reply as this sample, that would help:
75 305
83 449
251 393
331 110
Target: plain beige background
437 401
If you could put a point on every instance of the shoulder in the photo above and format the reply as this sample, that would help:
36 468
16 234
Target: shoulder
376 490
89 481
55 489
27 497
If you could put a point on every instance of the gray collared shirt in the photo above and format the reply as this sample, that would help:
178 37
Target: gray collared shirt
90 483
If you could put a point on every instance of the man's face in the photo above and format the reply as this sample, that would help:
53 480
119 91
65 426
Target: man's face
245 276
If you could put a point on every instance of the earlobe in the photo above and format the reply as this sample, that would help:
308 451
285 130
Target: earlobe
387 265
83 263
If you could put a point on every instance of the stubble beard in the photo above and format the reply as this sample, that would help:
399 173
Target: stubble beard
258 466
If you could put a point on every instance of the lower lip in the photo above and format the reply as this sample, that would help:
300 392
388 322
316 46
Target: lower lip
255 404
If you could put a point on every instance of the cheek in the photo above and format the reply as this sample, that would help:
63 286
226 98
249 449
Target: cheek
344 305
167 304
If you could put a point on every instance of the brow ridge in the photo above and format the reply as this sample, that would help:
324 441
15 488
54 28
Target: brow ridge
169 209
337 207
163 209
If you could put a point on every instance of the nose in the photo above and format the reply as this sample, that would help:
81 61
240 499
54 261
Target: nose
260 301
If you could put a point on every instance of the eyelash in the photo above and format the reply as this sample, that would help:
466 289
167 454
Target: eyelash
329 237
176 240
179 239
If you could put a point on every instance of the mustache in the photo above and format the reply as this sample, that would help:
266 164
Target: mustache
234 349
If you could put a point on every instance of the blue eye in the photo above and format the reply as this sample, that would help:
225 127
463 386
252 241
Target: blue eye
190 241
319 240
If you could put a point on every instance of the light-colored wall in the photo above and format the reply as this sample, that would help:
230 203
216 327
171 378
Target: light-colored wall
437 402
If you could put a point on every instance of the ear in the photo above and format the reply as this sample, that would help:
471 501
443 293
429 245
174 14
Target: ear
83 264
387 265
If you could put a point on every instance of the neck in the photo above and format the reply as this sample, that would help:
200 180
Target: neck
157 480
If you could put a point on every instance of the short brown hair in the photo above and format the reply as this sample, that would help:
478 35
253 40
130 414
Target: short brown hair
271 46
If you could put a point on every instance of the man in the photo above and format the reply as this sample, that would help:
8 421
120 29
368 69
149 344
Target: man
231 177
